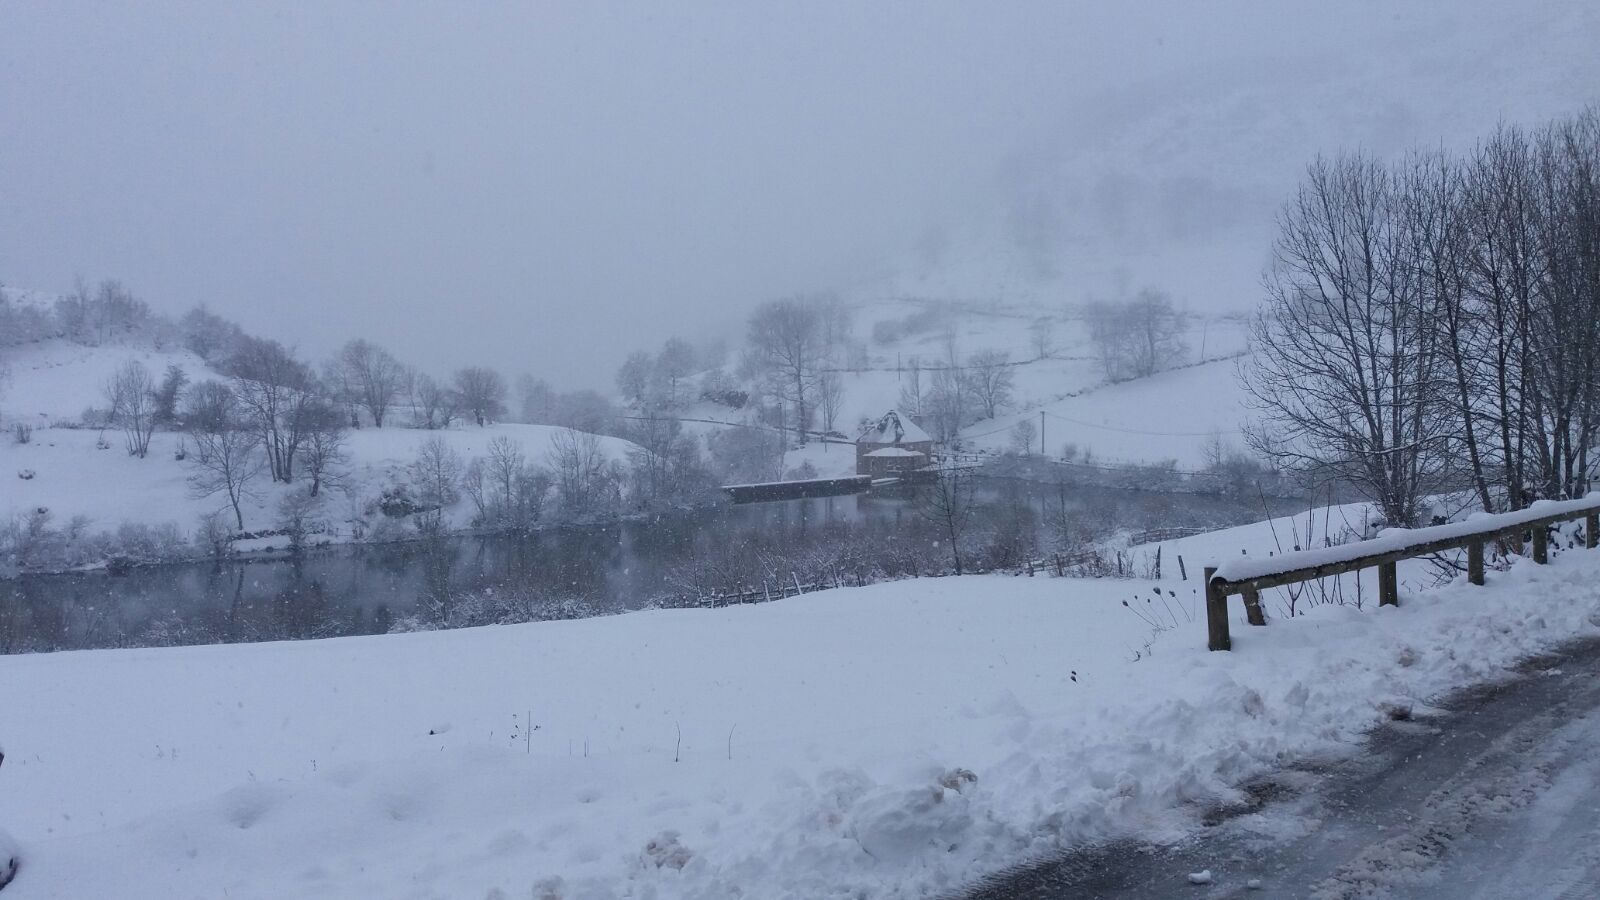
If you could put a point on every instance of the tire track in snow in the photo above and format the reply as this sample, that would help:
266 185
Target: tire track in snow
1498 792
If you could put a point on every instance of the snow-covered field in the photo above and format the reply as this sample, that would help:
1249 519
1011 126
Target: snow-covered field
72 476
55 381
1168 416
1171 415
825 739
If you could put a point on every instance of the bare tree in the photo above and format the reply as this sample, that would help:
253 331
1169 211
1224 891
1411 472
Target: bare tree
1442 316
786 340
651 457
1346 370
436 405
1138 338
948 505
132 396
673 366
1041 334
913 393
948 402
435 473
324 454
297 517
991 377
273 387
226 457
482 392
507 492
1023 434
374 377
746 455
830 395
537 399
585 479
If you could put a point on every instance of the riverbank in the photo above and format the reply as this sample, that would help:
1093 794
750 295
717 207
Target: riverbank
670 559
887 741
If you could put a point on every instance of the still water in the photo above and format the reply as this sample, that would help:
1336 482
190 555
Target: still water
555 573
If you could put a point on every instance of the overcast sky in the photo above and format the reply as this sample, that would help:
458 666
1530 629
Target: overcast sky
545 186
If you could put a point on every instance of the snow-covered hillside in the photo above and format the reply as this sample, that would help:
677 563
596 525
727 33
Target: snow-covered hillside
888 741
55 381
1171 415
74 466
73 476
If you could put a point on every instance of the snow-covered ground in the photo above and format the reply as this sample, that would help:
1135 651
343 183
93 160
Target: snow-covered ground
55 381
1171 415
817 746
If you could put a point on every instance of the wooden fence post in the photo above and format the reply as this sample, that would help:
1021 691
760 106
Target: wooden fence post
1252 607
1183 574
1541 544
1216 615
1388 585
1475 563
1591 530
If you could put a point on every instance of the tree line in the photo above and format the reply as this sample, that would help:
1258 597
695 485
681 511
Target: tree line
1434 323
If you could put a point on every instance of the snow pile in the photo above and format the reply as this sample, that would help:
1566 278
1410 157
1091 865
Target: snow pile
890 741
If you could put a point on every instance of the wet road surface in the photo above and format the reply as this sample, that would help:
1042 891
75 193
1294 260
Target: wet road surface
1494 795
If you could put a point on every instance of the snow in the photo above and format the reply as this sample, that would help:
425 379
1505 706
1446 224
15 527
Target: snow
1170 415
826 740
55 381
895 452
894 427
793 481
827 459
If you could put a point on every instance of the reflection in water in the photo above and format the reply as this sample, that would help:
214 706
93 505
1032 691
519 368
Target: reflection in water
559 573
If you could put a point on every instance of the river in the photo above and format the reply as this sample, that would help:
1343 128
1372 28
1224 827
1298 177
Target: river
552 573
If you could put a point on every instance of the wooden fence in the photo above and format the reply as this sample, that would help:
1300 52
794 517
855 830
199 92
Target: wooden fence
1249 577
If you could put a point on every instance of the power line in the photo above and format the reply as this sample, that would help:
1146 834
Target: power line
1142 431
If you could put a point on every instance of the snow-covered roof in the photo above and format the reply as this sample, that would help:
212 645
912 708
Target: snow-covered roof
893 428
896 451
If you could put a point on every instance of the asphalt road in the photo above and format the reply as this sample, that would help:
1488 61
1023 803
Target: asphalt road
1498 797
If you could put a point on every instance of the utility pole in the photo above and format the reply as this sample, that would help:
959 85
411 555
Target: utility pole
1041 433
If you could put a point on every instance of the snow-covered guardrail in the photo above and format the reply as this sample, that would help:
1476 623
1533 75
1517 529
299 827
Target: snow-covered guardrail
1248 577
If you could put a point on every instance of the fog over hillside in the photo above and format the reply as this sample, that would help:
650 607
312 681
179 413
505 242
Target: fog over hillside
535 186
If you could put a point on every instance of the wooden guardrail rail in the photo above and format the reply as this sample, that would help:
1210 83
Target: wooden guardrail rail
1248 577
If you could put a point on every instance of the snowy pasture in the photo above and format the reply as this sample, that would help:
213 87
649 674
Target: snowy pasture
888 741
